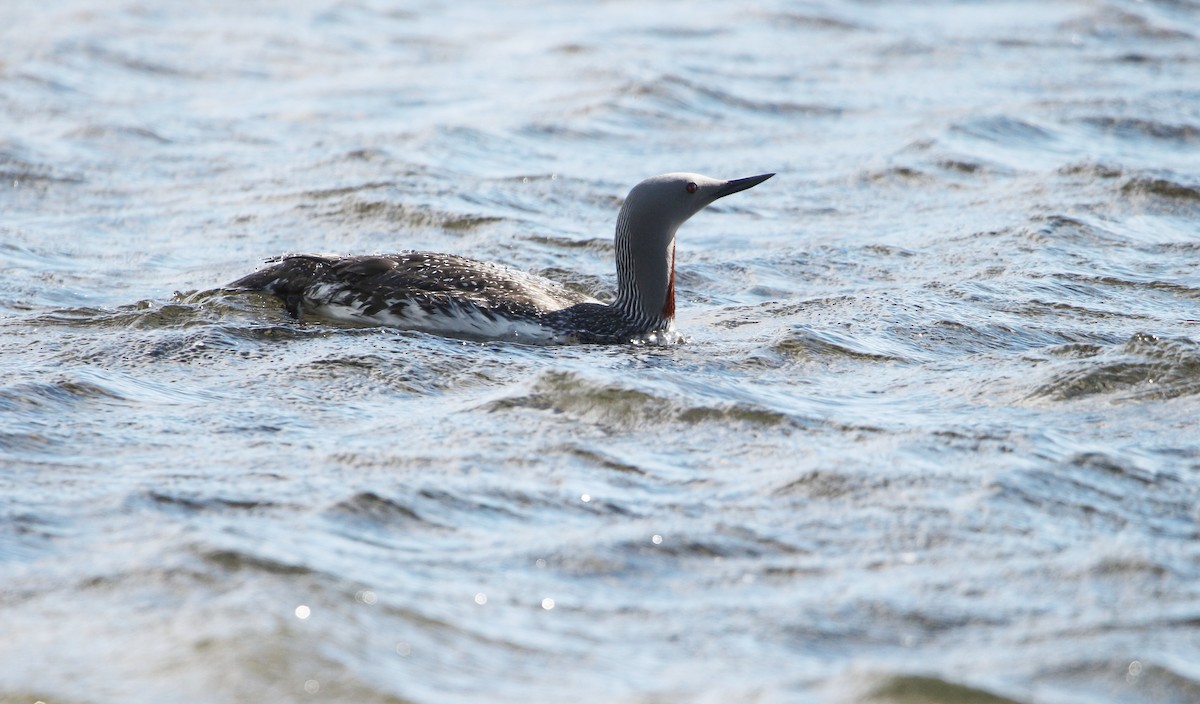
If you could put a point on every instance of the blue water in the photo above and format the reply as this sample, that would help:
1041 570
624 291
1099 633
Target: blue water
932 437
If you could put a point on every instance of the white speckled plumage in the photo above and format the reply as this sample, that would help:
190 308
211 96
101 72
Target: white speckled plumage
453 295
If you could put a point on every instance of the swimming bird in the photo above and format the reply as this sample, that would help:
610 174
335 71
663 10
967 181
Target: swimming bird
453 295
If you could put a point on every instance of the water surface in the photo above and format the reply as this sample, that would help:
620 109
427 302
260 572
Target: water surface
932 437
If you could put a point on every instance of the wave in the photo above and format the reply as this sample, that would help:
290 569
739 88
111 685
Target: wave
1144 367
1166 187
621 407
1133 128
807 344
906 689
672 99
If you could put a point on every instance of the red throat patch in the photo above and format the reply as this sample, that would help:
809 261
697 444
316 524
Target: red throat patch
669 304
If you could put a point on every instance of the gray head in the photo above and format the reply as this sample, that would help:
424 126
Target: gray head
653 211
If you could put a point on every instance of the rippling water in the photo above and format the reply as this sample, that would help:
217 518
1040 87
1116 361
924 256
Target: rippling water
933 436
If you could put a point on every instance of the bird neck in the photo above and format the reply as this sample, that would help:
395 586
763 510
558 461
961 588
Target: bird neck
645 273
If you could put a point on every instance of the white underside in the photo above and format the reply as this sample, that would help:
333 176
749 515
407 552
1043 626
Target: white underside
466 321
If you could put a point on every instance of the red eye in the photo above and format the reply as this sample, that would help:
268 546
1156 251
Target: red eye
692 187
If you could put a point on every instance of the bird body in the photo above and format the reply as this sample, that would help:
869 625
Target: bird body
452 295
439 293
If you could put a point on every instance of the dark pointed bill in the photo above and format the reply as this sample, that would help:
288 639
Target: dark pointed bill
741 184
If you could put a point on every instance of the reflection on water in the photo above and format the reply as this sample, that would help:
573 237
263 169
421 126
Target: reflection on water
931 438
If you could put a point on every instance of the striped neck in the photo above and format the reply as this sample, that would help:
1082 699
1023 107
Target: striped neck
645 273
646 226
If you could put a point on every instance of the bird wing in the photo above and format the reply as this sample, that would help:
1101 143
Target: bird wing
425 277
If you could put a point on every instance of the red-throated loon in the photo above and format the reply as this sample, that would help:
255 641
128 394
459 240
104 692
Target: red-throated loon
448 294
